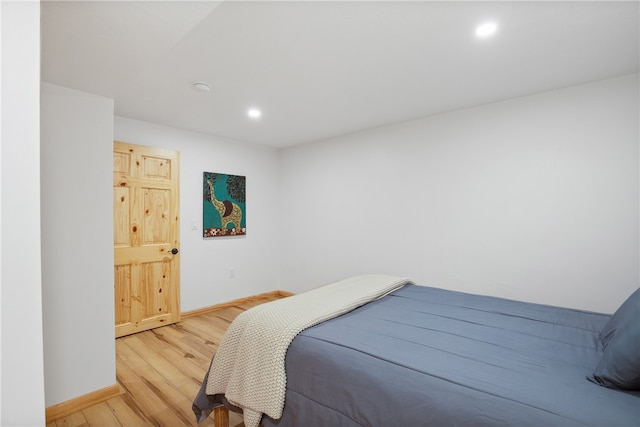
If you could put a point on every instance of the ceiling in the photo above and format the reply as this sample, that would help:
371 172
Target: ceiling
318 69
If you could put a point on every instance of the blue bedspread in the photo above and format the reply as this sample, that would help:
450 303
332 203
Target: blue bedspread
429 357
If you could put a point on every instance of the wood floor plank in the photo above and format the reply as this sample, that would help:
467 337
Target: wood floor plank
101 415
191 348
205 327
229 313
76 419
204 350
126 411
166 392
146 404
153 356
191 389
160 372
167 418
188 368
128 355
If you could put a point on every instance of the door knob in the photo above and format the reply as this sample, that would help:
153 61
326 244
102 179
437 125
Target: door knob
174 251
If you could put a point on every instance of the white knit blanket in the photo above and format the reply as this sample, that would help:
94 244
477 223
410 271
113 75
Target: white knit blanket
248 367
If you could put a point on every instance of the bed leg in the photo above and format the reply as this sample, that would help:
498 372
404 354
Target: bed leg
220 416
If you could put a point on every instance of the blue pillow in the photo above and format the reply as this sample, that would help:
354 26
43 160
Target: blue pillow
629 310
620 363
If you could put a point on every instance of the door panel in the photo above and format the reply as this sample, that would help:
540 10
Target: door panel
155 279
123 294
146 229
121 214
157 225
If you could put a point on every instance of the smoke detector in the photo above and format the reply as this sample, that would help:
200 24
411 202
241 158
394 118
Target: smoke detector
202 86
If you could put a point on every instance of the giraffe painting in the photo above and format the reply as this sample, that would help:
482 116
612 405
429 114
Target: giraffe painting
224 205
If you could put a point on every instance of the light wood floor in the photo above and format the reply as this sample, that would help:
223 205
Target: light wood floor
160 372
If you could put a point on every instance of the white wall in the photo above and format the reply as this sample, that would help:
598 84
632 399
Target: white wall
77 242
22 396
534 198
205 263
77 233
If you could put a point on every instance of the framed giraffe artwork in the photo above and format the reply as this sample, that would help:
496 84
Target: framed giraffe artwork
224 205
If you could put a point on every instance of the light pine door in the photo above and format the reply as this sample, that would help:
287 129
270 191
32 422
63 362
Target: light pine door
146 237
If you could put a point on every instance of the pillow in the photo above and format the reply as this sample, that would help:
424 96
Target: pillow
629 310
620 363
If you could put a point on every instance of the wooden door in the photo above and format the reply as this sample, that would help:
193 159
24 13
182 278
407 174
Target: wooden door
146 237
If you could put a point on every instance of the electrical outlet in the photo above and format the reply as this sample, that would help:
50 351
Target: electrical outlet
194 224
232 273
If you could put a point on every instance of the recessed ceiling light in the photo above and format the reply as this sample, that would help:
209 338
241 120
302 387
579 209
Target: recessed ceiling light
202 86
487 29
254 113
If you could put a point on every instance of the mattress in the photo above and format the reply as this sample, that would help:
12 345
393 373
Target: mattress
429 357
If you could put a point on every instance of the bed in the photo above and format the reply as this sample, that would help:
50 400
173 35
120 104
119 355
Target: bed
422 356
